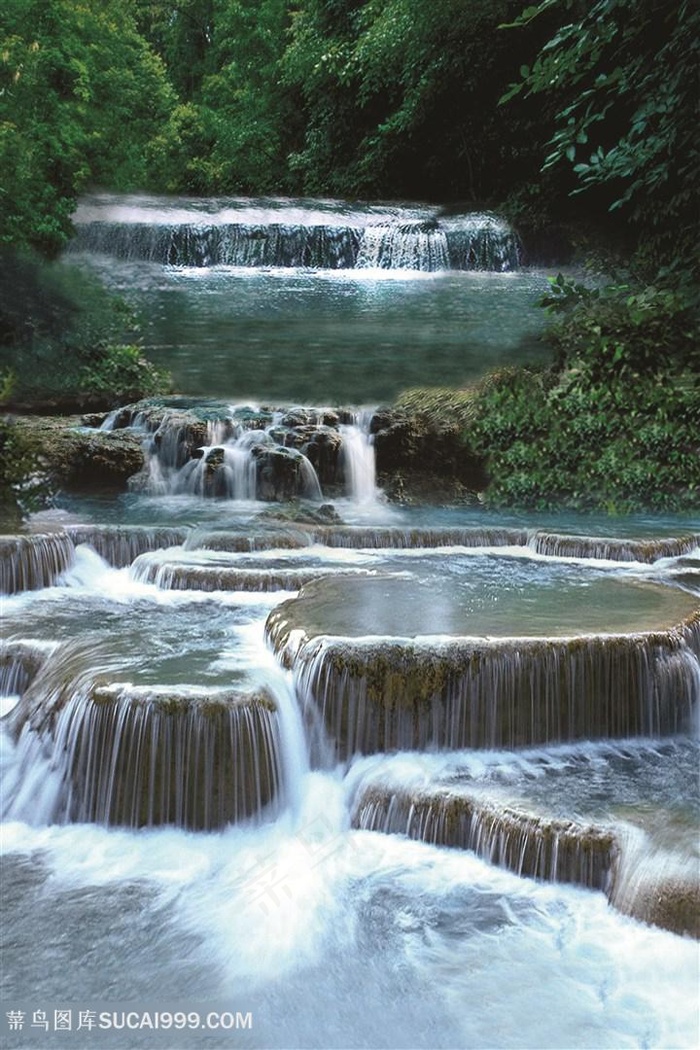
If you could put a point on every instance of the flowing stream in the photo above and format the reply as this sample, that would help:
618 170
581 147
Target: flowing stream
366 777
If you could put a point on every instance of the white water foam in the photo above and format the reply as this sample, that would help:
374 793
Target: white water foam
340 938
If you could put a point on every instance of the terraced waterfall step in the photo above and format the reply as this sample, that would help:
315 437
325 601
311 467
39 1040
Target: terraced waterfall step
392 664
136 756
35 560
621 818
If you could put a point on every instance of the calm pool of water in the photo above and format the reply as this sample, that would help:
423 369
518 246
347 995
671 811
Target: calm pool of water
329 337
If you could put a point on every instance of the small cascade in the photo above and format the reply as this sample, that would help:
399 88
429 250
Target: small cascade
225 244
20 662
120 545
396 538
358 537
246 233
146 755
28 563
186 574
543 848
657 885
222 459
151 756
384 694
481 242
553 544
359 465
406 246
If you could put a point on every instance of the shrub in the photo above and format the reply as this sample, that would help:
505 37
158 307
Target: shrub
62 340
22 486
551 441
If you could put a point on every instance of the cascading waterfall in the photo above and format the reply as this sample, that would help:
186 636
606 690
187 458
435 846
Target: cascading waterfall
380 684
613 549
151 711
542 813
378 696
555 850
222 459
20 662
247 233
169 756
407 246
358 459
659 885
142 755
176 571
120 545
155 756
30 562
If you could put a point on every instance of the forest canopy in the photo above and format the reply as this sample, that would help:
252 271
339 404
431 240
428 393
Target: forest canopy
564 108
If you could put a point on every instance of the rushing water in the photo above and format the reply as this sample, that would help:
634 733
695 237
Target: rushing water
147 867
329 936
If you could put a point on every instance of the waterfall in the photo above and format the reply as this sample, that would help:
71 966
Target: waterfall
28 563
245 233
554 544
556 850
408 246
382 695
222 459
390 537
174 571
120 545
145 755
20 661
158 756
657 885
358 459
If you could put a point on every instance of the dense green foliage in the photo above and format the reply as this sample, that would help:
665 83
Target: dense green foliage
551 441
360 98
22 486
615 423
81 97
400 98
60 341
623 76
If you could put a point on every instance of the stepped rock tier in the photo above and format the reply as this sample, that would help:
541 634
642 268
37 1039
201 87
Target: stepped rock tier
244 232
143 695
391 664
621 819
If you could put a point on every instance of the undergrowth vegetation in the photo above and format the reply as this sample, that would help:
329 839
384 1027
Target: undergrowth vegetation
23 487
612 425
615 423
63 341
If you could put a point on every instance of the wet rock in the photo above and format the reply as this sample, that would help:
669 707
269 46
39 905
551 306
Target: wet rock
415 444
76 457
94 419
282 473
303 514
